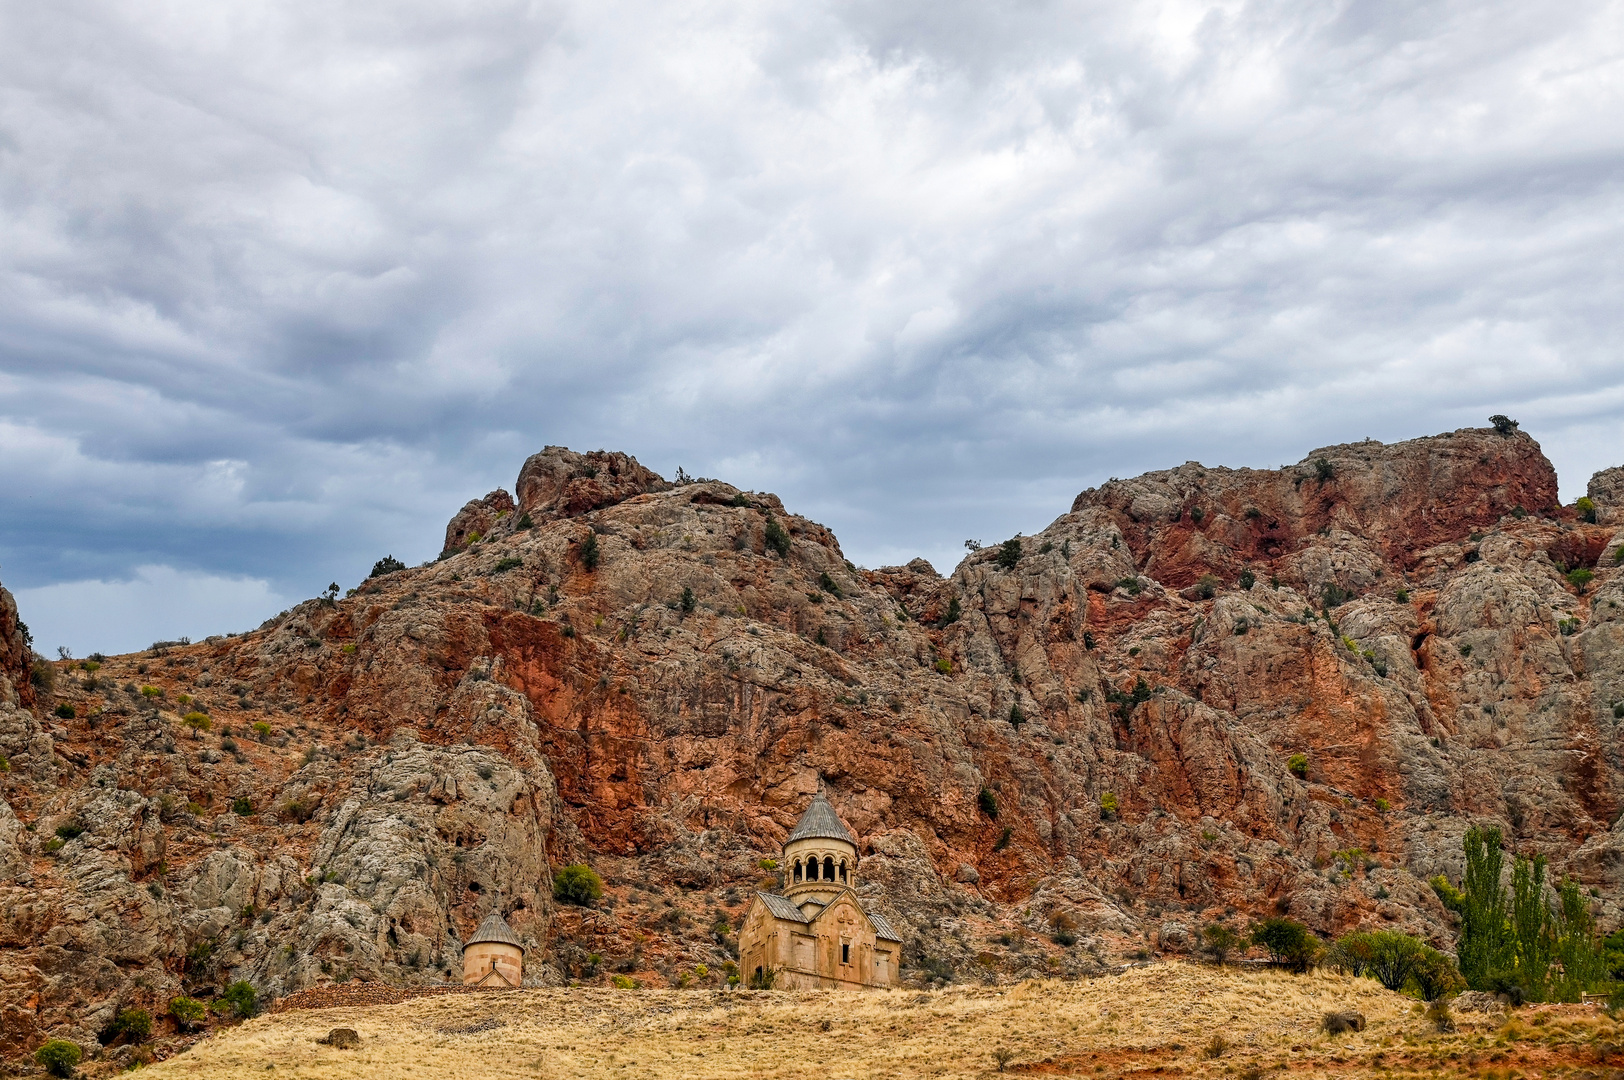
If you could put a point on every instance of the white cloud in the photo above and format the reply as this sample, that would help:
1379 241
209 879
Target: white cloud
159 603
282 284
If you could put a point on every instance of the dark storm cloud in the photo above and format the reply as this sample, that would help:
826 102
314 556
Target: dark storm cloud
281 285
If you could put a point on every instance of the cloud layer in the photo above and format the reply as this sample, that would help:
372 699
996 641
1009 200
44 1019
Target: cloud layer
282 285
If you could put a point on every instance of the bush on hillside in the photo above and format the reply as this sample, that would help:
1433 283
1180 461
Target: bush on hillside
188 1012
1289 942
242 998
1009 553
386 565
988 802
1218 941
58 1057
577 884
775 537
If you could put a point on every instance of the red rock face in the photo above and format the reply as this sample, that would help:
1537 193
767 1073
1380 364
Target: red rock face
558 483
478 519
1107 732
14 655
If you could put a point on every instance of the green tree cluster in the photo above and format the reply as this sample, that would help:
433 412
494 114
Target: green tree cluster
1397 961
1540 944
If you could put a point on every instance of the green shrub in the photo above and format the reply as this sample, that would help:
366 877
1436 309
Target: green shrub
71 831
1132 584
988 802
1207 587
197 721
525 521
775 537
944 665
1088 641
589 552
58 1057
1435 975
1003 839
1402 596
42 675
1333 595
262 729
298 811
504 565
242 998
1288 942
1382 806
1247 579
1009 553
1196 514
687 603
1297 764
1618 711
135 1025
188 1012
1323 470
1016 717
242 807
150 692
1505 425
1109 807
577 884
65 711
1218 941
1580 578
1586 509
954 611
827 584
386 565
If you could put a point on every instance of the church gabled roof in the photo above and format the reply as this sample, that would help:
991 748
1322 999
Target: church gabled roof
494 929
820 822
882 929
781 908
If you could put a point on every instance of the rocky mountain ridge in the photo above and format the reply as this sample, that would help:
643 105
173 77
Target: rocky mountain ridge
1202 693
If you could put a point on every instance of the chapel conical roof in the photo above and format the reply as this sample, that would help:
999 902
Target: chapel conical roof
820 822
494 928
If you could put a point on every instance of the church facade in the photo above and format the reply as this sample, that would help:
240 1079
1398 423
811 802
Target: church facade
818 935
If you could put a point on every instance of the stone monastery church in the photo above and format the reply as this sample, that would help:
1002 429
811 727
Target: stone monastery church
817 935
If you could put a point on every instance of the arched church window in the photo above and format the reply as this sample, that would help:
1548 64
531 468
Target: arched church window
797 869
843 870
811 869
828 868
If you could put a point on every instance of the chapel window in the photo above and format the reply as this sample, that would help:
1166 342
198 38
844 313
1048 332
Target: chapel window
845 953
843 870
828 869
797 869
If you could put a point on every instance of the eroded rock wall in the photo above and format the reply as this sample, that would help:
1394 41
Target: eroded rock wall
1201 694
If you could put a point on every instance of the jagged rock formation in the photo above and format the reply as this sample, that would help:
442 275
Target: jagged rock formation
1089 736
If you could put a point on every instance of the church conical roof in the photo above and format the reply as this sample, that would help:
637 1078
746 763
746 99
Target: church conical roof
494 928
820 822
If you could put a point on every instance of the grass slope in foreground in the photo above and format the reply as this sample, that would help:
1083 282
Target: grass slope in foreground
1163 1018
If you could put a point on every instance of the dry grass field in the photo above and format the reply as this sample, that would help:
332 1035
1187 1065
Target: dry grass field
1168 1020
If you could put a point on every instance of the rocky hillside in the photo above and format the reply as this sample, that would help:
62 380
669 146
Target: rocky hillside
1200 693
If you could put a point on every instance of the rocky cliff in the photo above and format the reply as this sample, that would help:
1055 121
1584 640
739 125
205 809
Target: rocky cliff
1199 693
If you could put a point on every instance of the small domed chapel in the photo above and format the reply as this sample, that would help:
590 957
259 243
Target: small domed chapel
817 935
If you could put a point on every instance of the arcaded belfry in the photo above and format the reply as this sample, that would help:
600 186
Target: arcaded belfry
493 956
818 935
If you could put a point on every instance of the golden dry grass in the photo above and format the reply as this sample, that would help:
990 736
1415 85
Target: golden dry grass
1159 1018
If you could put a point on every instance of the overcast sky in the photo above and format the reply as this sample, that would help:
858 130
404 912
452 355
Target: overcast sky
283 284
